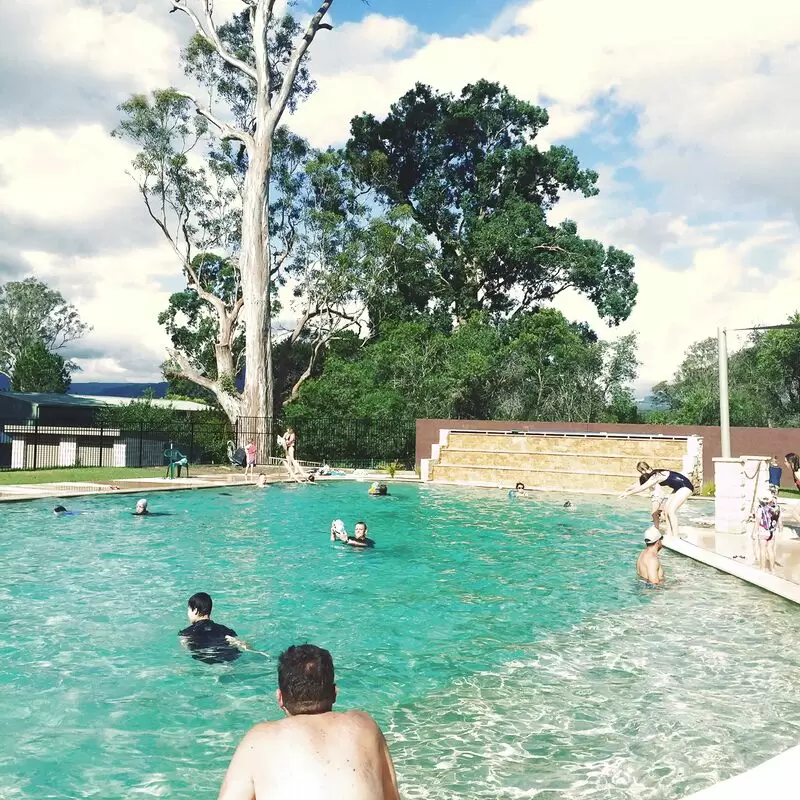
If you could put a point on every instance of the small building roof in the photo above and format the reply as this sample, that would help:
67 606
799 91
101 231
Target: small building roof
95 401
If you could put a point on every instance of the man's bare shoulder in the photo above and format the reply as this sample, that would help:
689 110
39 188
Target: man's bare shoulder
340 719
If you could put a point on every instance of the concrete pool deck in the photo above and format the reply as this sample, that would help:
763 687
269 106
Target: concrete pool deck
39 491
732 553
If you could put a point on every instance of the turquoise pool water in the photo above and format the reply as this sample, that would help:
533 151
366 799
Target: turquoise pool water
504 646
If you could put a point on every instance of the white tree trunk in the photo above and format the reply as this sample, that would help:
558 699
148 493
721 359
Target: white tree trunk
257 396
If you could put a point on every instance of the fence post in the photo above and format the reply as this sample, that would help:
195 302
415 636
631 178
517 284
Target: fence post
101 444
191 438
141 441
35 442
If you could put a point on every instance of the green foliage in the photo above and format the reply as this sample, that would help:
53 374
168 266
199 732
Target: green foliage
535 366
470 172
709 489
31 313
763 380
203 436
38 370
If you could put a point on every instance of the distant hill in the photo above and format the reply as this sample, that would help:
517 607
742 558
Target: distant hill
103 389
119 389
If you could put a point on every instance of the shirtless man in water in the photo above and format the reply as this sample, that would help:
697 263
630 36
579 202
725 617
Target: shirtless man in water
315 751
648 565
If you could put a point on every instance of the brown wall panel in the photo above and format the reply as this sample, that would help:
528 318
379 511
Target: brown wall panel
744 441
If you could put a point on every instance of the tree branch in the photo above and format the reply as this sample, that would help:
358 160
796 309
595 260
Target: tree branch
189 372
294 64
211 299
295 393
227 131
210 33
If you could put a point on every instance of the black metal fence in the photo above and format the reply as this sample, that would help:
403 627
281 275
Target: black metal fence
31 445
339 442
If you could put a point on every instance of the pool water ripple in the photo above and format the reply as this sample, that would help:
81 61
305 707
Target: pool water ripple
505 647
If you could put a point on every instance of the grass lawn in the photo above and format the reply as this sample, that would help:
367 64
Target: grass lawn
79 474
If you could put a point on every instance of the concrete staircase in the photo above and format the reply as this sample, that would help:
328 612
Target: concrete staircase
557 461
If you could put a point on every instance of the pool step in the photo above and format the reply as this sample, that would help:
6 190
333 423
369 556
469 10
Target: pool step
557 462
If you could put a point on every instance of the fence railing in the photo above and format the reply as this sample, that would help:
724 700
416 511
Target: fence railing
32 445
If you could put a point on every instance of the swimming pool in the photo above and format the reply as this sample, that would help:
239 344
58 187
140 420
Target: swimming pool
504 646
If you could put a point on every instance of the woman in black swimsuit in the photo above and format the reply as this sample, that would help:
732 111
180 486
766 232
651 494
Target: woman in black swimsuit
682 489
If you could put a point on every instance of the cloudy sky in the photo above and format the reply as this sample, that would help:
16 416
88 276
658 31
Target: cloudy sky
688 109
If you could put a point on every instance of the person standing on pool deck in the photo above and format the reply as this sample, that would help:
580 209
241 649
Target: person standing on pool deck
648 565
315 751
682 489
289 442
207 640
250 450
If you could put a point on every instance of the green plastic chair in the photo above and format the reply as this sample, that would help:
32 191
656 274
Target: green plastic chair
175 461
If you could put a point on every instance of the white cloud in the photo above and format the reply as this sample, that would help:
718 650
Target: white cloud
48 175
115 44
711 86
120 296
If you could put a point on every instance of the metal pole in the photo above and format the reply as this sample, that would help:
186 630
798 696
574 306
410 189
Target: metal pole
724 402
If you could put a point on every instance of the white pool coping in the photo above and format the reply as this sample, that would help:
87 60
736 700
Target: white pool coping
776 779
746 572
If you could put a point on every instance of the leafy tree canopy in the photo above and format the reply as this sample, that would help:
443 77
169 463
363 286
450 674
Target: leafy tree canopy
38 370
474 179
536 366
30 313
763 381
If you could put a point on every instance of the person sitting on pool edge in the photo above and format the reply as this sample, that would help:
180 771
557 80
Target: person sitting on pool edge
648 565
207 640
314 751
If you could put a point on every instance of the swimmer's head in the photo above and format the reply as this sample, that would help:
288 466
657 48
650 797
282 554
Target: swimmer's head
653 536
311 479
520 486
643 467
305 680
568 504
59 510
360 529
141 506
199 607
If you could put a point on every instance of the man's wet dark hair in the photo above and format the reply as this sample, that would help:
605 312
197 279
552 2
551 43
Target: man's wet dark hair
305 678
59 510
520 486
201 603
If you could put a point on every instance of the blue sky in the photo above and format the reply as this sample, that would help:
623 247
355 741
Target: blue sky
693 130
446 18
